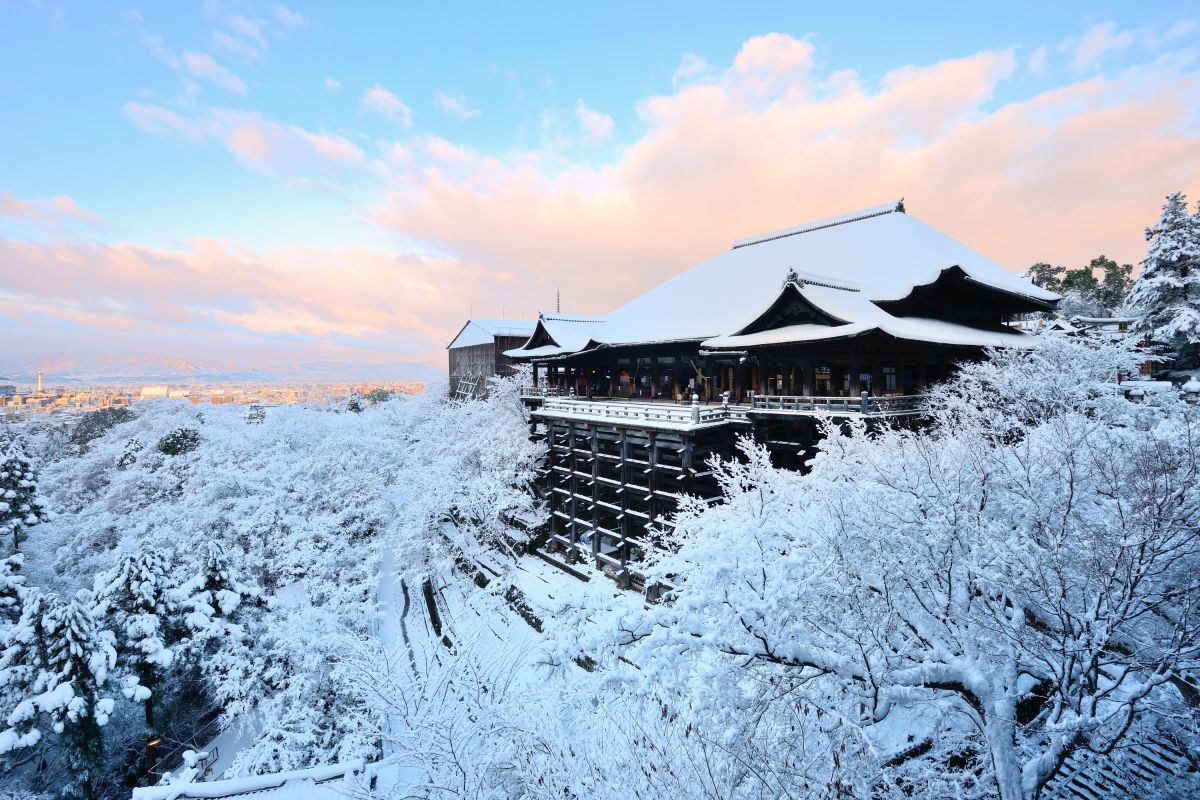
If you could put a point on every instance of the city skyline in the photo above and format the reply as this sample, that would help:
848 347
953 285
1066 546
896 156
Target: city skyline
268 184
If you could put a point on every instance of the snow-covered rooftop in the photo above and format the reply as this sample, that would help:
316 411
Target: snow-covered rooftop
486 331
844 265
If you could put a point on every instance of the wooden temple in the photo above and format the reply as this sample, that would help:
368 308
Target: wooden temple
843 317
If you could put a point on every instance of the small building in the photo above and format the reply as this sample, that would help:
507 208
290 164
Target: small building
477 353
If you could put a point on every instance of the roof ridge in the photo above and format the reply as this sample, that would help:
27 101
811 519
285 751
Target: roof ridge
829 222
560 317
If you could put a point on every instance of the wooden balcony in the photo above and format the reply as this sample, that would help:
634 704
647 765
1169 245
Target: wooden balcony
683 416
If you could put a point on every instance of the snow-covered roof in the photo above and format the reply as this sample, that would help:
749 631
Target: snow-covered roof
333 782
486 331
1104 320
567 333
843 265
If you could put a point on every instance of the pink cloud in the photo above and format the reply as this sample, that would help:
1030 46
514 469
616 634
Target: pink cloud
596 127
205 68
47 209
285 151
348 299
1062 176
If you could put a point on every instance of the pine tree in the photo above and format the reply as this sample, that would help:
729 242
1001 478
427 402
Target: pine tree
218 646
25 670
82 656
354 403
1167 293
137 597
54 668
12 590
20 505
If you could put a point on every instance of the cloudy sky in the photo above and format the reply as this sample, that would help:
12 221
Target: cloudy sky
273 183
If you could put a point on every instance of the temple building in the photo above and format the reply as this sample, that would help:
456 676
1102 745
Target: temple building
850 316
477 352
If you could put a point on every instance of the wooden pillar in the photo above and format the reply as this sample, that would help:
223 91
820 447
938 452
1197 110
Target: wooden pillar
595 434
623 477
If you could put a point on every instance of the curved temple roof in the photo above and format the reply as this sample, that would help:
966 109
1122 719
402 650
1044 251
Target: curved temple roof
843 265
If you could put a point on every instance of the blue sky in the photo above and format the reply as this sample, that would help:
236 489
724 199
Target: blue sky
364 139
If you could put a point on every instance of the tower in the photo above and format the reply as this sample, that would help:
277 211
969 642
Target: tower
39 391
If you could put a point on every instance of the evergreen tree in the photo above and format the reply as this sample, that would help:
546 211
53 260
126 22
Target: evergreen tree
81 657
25 670
20 505
355 403
1114 283
12 590
1167 293
218 646
1046 276
54 668
137 597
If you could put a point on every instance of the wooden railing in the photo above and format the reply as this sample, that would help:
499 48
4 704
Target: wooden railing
540 391
644 412
695 414
863 404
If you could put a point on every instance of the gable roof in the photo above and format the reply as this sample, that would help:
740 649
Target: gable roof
556 333
486 331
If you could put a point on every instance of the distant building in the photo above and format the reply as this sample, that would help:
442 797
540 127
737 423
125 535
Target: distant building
154 391
477 352
7 390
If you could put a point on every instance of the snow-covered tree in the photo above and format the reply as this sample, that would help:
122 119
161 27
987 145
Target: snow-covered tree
218 643
53 671
1011 586
1167 293
21 507
138 600
12 590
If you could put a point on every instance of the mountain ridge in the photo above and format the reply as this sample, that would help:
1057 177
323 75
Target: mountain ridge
101 368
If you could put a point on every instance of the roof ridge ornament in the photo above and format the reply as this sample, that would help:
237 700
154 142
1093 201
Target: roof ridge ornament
803 279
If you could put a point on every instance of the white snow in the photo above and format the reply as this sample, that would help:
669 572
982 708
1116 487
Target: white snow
885 252
485 331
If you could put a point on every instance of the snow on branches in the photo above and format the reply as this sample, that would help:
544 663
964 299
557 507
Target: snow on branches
1017 583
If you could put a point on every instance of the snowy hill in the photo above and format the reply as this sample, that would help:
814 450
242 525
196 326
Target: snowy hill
139 368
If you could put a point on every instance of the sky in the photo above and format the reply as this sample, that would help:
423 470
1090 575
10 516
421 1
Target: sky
268 184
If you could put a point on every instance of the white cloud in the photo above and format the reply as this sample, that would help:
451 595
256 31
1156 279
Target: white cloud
692 68
236 47
1037 62
1094 44
158 48
455 105
378 100
595 127
289 18
205 68
333 84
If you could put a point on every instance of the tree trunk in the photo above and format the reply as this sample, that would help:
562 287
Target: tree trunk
998 728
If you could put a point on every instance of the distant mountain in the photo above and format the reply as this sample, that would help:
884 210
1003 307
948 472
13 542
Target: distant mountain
90 368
